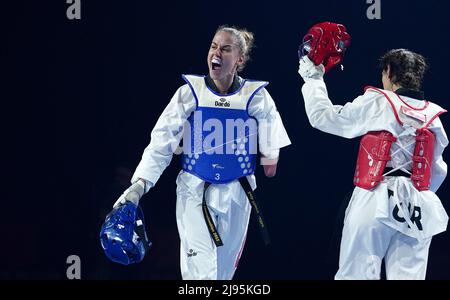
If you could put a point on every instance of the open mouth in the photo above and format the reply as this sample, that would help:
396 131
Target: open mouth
216 63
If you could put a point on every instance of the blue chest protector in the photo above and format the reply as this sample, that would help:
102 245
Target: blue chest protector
220 139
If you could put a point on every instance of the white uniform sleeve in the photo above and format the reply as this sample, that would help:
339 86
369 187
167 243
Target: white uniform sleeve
165 137
439 167
351 120
271 132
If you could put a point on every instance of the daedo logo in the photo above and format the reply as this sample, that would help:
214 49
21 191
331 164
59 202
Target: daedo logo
222 103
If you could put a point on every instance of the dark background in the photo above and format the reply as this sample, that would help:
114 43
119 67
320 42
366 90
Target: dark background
80 98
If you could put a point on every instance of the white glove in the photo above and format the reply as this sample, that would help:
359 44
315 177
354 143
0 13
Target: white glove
133 193
308 70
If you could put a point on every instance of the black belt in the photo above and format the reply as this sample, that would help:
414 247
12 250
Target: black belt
396 172
251 197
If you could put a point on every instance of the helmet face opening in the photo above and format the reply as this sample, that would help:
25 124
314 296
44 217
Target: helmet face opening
304 49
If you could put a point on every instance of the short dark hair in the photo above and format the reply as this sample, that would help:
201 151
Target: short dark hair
406 67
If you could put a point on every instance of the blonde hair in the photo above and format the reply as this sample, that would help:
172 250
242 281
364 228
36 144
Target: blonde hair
244 40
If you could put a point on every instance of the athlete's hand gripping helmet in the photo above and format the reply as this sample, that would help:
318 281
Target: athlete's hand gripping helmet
325 43
123 236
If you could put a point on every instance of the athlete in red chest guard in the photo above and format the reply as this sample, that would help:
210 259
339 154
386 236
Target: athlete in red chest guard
394 211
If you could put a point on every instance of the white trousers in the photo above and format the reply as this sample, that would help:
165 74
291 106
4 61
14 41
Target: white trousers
374 230
230 210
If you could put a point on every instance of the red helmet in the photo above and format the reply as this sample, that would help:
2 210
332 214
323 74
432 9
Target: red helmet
325 43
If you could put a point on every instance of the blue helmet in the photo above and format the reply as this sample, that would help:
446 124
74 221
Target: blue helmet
123 235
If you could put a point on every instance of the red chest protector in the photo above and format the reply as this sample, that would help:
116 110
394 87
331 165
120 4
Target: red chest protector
374 149
373 156
423 159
